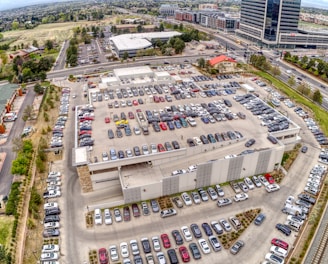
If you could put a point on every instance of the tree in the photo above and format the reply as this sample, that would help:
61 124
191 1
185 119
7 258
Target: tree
38 88
27 74
304 60
181 27
291 81
179 45
35 43
17 143
161 27
321 67
317 96
310 64
304 89
125 55
201 62
287 55
276 71
27 113
49 45
15 25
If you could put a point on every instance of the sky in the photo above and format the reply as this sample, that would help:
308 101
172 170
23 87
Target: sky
8 4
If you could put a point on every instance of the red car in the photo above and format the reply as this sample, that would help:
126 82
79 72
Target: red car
138 110
126 213
166 241
103 256
279 243
156 99
135 102
131 115
269 178
163 126
184 254
85 132
135 210
160 148
107 120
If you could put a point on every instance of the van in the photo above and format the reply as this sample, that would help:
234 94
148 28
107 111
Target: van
98 217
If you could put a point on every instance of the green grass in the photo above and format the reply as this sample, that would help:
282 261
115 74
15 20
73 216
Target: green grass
320 114
6 224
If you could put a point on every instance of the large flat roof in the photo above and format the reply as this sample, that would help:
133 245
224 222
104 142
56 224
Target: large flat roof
140 40
133 71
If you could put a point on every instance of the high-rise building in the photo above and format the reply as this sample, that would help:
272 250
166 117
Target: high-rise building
265 20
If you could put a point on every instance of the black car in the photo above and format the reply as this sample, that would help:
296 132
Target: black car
172 256
272 139
207 229
175 144
52 211
204 139
177 237
119 133
284 229
120 154
156 127
168 146
190 142
211 138
145 245
196 230
51 218
194 251
304 149
110 133
250 142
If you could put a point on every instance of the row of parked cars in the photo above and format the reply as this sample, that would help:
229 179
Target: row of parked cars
85 117
204 244
213 138
119 215
268 116
314 128
57 131
323 156
51 252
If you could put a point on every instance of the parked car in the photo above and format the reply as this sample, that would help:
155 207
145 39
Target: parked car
214 243
126 213
272 258
117 215
186 233
194 251
204 246
226 226
168 212
135 210
145 245
207 229
177 237
280 243
184 254
240 197
166 241
237 247
177 202
186 198
284 229
259 219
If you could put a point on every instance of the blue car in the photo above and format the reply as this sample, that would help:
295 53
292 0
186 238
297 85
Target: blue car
170 125
205 120
177 124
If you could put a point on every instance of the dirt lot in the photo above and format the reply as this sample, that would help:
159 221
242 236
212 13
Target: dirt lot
56 31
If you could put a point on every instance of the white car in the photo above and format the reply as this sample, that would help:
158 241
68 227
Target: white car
313 180
186 233
50 248
219 190
197 141
186 198
204 246
104 156
117 215
53 187
240 197
113 253
272 187
212 193
54 174
311 190
54 183
313 185
280 252
107 217
290 200
226 226
53 179
263 180
273 259
134 247
124 250
256 181
51 225
50 205
52 194
98 217
249 183
192 168
49 256
161 258
295 219
195 196
156 243
153 148
177 172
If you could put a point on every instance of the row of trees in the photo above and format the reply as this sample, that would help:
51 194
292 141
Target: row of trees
71 52
259 61
315 66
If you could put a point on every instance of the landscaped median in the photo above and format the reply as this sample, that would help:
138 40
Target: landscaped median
320 114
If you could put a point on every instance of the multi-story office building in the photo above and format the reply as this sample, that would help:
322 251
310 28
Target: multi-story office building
274 23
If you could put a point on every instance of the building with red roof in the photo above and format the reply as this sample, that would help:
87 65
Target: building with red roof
223 63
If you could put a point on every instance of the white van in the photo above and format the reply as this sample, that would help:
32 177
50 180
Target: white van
98 217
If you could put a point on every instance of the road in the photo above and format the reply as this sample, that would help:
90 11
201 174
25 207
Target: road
61 59
6 177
